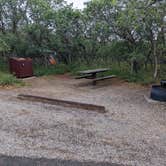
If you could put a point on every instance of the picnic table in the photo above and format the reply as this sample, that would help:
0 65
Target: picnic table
92 74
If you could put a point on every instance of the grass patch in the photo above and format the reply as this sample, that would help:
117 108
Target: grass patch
123 72
8 79
143 77
51 70
59 69
74 69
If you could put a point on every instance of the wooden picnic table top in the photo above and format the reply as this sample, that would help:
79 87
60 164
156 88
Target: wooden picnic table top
94 71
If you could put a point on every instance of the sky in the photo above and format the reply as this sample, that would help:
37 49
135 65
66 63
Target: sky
79 4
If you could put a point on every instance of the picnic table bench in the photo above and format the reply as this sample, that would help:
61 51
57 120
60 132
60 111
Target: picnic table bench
92 74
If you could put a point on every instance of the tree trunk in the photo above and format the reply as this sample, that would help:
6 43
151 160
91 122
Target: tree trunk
155 60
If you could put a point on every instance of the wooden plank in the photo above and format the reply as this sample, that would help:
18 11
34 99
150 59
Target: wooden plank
64 103
103 78
84 76
94 71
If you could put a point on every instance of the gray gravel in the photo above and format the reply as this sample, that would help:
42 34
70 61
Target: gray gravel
133 132
22 161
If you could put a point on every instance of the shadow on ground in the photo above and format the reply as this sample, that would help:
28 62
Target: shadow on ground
22 161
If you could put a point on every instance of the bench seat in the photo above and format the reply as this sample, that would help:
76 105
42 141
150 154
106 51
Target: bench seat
84 76
103 78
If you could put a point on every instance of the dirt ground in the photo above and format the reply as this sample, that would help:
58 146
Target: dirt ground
132 132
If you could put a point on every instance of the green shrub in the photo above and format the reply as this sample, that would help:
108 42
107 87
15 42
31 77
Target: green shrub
8 79
3 65
123 72
51 70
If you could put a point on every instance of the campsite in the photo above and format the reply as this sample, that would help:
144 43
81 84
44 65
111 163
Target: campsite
82 87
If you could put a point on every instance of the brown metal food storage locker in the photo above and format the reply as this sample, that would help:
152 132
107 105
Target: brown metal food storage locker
21 67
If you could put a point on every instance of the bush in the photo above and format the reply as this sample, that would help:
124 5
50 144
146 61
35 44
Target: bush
123 72
8 79
51 70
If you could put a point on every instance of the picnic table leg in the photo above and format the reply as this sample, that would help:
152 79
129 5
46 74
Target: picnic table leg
94 75
94 82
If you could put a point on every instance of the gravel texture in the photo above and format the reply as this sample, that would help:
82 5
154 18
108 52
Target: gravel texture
132 132
23 161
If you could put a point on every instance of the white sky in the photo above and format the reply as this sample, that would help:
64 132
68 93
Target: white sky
79 4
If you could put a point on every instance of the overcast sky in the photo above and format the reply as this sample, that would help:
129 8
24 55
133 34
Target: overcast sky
79 4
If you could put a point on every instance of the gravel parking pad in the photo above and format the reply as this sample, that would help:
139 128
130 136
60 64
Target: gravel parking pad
132 132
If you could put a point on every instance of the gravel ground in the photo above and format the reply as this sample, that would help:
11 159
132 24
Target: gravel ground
132 132
22 161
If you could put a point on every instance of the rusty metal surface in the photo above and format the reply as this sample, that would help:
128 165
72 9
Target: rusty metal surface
21 67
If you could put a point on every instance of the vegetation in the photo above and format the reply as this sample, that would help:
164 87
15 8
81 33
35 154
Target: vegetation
126 35
7 79
58 69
